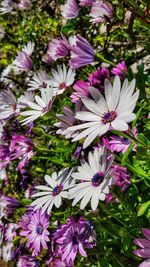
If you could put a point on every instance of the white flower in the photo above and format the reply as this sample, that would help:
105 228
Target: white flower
38 109
40 80
23 61
24 99
61 79
52 194
28 49
5 73
6 6
112 112
8 105
95 179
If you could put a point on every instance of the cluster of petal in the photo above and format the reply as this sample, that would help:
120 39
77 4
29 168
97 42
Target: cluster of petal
82 53
112 112
70 9
95 179
40 108
144 250
74 237
10 204
10 231
57 189
25 261
36 232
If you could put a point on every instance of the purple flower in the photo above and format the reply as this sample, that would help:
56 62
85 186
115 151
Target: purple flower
120 174
35 230
57 263
23 61
144 244
120 69
86 2
97 78
57 48
74 237
10 231
10 204
27 261
119 143
70 10
101 11
82 53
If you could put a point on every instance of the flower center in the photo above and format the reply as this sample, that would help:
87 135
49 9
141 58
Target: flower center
75 239
43 85
62 85
39 230
125 141
109 117
98 179
57 189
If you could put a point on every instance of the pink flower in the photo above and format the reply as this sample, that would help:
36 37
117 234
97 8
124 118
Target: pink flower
120 69
81 88
86 2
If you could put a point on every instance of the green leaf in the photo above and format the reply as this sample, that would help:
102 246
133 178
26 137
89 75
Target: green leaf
143 208
137 116
127 153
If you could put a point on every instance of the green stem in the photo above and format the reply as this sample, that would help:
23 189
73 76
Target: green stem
100 56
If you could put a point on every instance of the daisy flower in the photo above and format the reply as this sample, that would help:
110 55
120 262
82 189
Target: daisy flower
40 80
52 194
101 11
61 79
8 105
70 10
36 232
39 107
94 177
112 112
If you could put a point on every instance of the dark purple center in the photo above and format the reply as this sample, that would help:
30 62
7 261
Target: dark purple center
109 117
75 238
57 189
43 85
39 230
98 179
62 85
125 141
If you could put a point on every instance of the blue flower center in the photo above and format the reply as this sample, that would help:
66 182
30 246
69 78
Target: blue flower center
39 230
109 117
98 178
125 141
57 189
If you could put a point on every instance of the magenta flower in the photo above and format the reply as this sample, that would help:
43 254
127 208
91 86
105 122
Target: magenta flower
57 263
82 53
57 48
74 237
120 69
86 2
70 10
144 244
36 232
101 11
121 175
81 90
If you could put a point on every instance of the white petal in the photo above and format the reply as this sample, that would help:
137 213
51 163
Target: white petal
57 201
119 125
94 200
